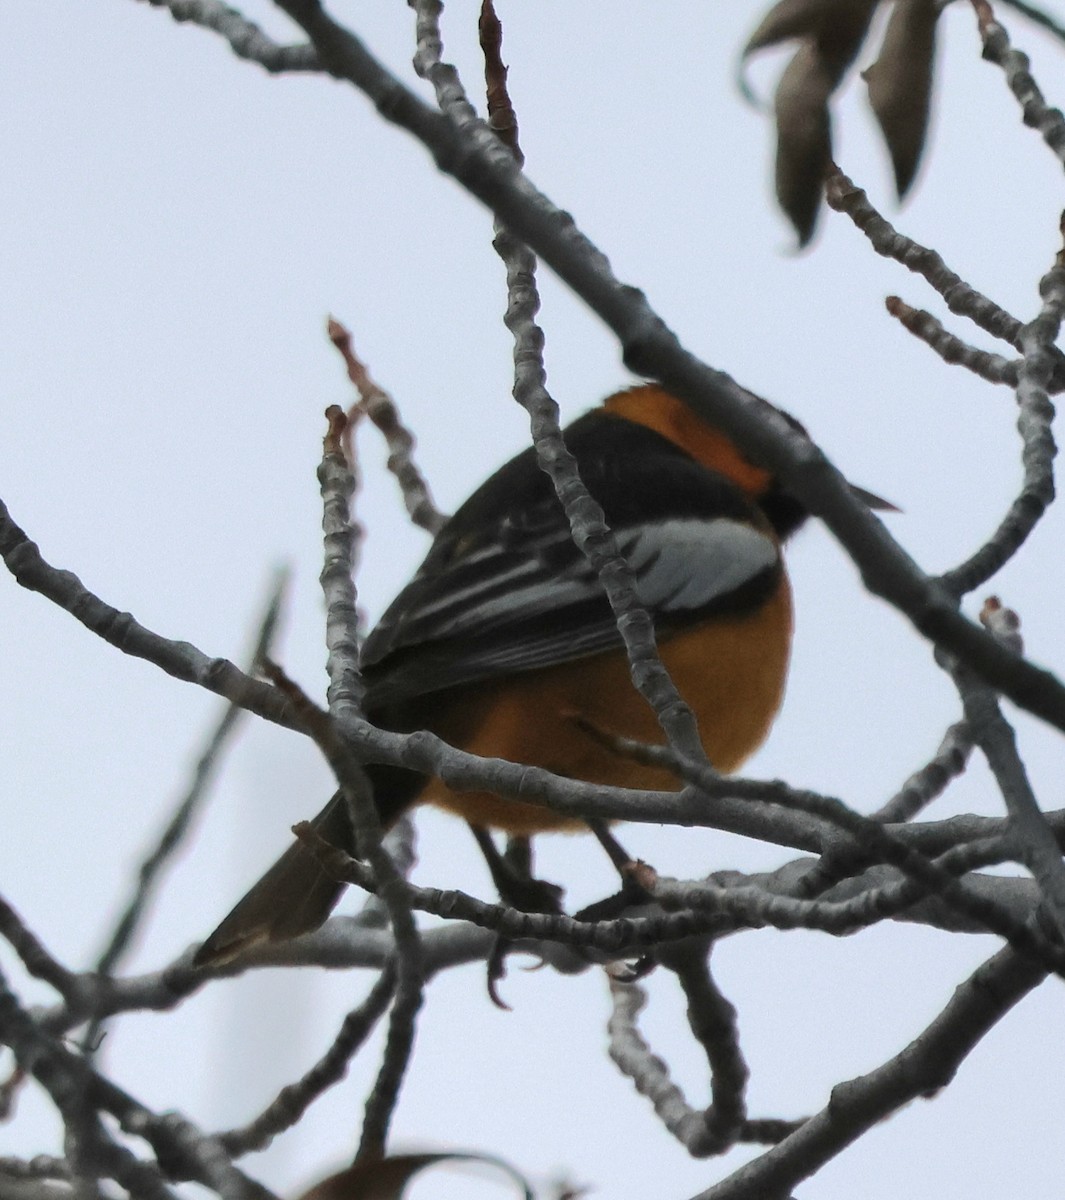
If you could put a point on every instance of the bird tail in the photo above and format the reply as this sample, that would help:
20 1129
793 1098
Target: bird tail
295 895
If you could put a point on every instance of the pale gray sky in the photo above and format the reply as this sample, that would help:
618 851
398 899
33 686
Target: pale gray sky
177 226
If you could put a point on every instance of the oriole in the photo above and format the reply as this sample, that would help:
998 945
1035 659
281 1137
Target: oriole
504 634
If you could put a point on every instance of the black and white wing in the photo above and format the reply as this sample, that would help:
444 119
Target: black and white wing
504 589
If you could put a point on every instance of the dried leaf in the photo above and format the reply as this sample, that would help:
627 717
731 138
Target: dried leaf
830 33
387 1178
837 26
804 138
900 84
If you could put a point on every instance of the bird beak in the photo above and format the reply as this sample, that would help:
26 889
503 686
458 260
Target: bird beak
873 501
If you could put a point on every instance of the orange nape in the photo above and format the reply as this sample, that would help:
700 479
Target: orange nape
654 408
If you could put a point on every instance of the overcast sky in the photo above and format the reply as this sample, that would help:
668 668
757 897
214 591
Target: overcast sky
177 225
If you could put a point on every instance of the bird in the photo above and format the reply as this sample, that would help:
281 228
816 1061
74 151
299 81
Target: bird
504 644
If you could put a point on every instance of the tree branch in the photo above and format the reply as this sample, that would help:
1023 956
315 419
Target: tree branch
245 38
293 1100
1038 114
925 1066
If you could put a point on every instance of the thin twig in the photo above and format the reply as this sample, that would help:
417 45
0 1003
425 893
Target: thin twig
1038 847
1038 114
345 699
846 197
379 872
181 822
778 901
65 1076
382 410
181 660
713 907
293 1100
878 842
342 944
341 539
634 1058
651 1077
930 780
927 783
245 38
616 938
1035 415
960 297
995 737
951 349
713 1023
35 957
502 119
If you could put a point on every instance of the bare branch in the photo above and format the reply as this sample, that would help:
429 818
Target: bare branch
379 406
341 536
81 1095
951 349
614 938
1037 114
178 659
930 780
345 700
876 894
420 751
729 901
919 790
995 737
36 958
502 119
651 1077
42 1178
635 1059
342 943
925 1066
713 1022
245 38
960 297
877 841
1037 442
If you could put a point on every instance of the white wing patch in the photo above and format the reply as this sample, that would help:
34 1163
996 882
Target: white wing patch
684 564
680 565
520 611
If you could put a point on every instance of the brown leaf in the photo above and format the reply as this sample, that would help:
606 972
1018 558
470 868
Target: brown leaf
804 138
830 34
387 1178
837 26
900 84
